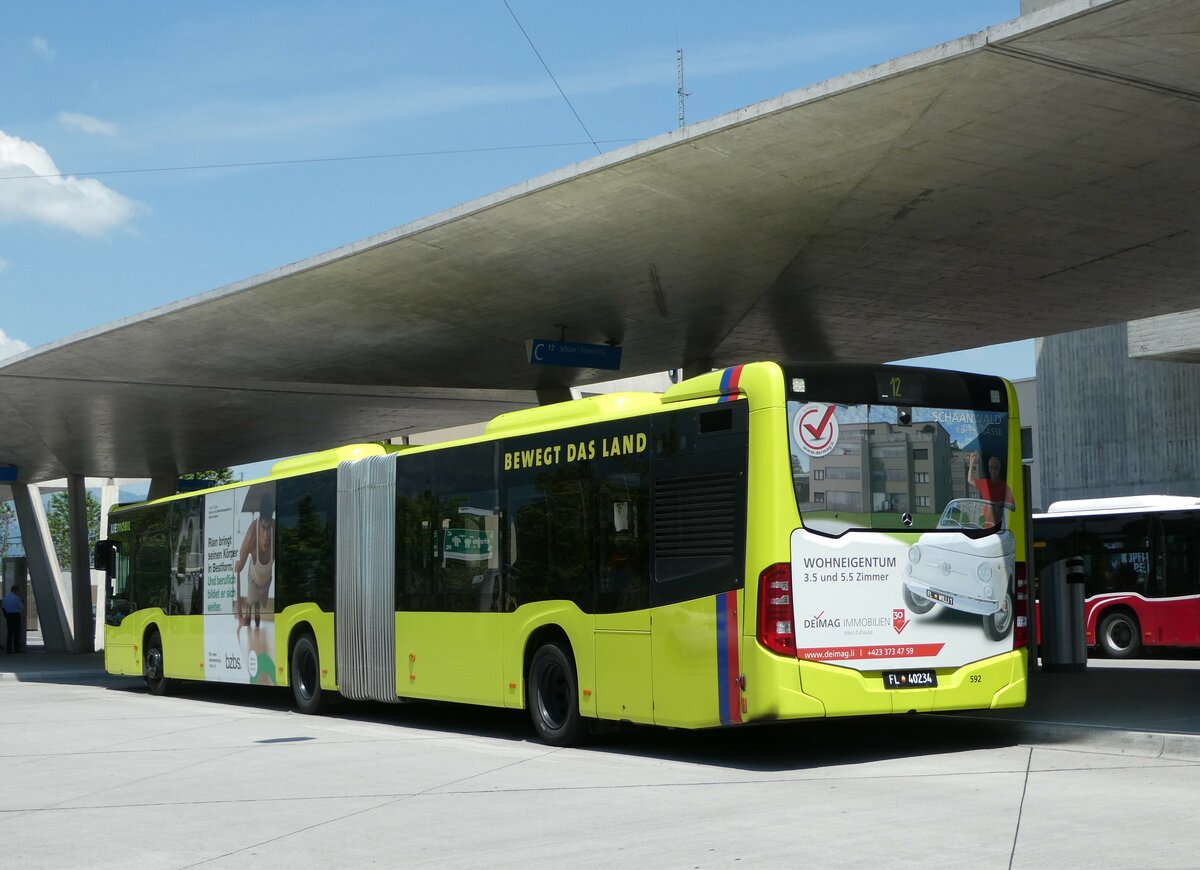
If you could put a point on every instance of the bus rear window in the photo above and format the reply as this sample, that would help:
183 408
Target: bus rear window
880 466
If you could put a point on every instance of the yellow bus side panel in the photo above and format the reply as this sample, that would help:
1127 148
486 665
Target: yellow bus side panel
624 690
287 623
773 686
123 645
125 655
686 682
518 634
1015 694
121 658
450 657
183 647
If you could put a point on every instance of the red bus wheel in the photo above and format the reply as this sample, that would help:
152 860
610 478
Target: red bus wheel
1120 636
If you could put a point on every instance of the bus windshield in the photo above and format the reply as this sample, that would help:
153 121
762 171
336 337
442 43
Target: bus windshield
874 466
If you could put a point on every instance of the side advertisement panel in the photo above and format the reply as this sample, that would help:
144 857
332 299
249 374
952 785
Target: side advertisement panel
239 585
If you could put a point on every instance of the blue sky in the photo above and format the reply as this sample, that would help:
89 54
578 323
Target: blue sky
329 122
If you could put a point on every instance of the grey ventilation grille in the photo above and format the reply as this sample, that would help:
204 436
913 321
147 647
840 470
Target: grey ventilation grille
696 516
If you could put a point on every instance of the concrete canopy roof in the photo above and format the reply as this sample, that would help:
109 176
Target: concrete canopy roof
1037 177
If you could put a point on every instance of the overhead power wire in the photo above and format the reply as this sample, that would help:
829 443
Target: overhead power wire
552 78
258 163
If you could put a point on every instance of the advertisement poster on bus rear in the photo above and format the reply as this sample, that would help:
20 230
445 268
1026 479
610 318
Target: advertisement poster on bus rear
239 585
908 558
919 600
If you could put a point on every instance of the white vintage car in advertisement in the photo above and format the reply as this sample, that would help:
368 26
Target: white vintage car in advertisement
965 572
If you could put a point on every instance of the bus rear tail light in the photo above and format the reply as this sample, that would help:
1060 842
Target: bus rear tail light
776 626
1021 608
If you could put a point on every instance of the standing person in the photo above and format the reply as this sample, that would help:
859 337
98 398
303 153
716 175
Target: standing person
13 607
258 555
991 488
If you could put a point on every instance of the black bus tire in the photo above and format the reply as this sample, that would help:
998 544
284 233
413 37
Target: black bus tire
304 667
1119 635
553 697
153 664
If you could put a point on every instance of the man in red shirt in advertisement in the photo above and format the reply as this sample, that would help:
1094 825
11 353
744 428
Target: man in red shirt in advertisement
992 488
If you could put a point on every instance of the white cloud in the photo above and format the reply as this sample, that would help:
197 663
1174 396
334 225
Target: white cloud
42 47
82 205
3 264
87 123
11 346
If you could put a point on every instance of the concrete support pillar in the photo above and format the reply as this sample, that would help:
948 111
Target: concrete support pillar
81 566
110 496
162 486
553 395
692 368
45 580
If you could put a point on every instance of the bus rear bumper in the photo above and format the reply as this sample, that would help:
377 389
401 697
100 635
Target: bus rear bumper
780 688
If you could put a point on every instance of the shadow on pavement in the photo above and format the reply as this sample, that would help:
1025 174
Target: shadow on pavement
1150 697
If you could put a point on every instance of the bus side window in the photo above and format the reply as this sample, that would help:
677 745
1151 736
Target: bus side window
1120 553
549 541
305 515
149 559
624 541
447 530
118 598
1177 561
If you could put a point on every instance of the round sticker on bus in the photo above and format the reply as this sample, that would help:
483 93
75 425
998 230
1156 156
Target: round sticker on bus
252 663
816 428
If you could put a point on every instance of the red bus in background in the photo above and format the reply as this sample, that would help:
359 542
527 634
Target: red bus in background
1141 561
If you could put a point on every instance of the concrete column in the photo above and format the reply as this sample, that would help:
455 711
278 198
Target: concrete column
45 581
110 494
692 368
553 395
162 486
81 565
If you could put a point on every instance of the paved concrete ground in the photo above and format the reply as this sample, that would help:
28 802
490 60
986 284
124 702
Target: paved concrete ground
1102 769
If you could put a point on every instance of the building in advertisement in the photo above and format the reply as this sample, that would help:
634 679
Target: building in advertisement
886 467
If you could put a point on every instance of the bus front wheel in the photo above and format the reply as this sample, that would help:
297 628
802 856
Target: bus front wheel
1120 636
553 697
152 665
304 665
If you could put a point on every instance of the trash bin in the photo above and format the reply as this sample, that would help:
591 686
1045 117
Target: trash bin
1064 643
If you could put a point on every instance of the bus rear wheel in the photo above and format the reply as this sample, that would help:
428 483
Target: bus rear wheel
1120 636
304 665
553 697
152 665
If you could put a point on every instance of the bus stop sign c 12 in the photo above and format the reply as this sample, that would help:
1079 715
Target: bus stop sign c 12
547 352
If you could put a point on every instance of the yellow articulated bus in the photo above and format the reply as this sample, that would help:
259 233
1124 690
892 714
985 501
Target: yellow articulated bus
761 543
